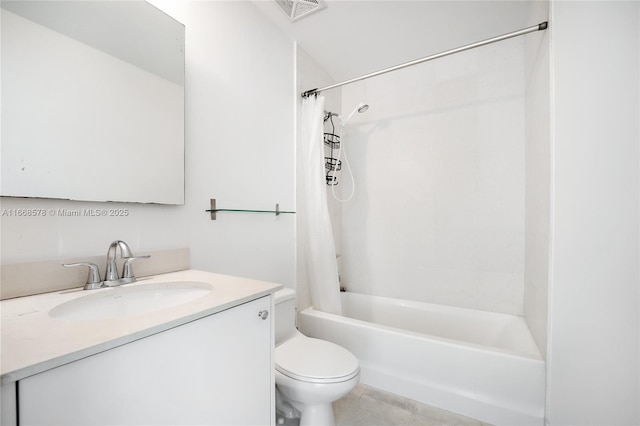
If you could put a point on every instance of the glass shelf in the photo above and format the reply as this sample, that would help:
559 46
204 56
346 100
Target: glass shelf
213 210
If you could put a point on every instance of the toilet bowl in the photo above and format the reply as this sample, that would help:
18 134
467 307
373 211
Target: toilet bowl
310 373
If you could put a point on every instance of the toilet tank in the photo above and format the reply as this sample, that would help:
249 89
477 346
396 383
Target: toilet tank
285 314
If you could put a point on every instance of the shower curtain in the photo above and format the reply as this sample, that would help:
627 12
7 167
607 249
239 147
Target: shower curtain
316 232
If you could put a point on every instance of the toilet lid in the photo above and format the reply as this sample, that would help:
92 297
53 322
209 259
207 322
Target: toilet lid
308 359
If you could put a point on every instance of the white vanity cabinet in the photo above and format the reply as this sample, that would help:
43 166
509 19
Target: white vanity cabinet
216 370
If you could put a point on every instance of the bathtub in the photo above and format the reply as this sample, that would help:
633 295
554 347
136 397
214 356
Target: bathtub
480 364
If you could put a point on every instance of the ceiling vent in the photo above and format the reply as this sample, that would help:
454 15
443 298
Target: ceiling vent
297 9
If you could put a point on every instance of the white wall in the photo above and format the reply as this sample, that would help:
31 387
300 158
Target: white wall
593 357
239 149
537 181
438 160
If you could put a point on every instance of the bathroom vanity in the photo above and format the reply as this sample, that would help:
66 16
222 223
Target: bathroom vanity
205 357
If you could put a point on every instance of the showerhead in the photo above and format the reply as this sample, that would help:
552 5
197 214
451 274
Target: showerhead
362 107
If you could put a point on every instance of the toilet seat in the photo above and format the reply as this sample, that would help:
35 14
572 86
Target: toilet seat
314 360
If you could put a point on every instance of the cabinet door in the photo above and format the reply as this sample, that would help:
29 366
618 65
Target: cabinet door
217 370
8 405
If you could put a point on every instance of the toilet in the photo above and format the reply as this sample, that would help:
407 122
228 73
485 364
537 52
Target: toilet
310 373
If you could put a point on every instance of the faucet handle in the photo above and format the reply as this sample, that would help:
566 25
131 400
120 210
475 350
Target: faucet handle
93 279
127 269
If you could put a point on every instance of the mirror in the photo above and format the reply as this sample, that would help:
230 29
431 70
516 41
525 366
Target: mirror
92 101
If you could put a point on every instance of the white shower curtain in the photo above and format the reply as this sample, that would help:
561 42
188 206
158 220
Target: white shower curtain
316 233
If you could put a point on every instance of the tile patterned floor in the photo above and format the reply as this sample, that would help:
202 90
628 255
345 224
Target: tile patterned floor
367 406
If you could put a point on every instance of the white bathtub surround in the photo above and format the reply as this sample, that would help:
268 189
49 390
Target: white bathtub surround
503 332
439 161
479 364
316 235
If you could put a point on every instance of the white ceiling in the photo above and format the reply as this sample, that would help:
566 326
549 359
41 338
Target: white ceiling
350 38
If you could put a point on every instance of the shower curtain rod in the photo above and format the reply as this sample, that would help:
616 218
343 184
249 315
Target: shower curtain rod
539 27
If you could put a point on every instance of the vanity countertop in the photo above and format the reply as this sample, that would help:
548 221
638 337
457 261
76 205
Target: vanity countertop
32 341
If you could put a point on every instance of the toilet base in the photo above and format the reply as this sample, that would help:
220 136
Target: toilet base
312 400
311 414
317 415
284 410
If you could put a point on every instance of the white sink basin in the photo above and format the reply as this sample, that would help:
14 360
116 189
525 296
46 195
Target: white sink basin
119 302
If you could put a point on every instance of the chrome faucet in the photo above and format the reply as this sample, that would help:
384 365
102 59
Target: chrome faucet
111 277
111 272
